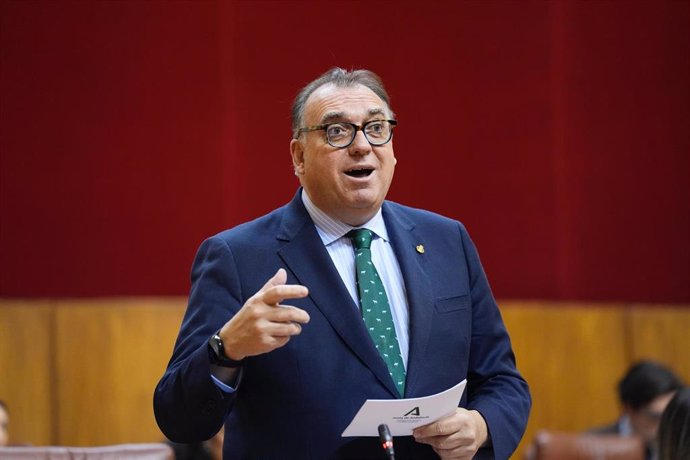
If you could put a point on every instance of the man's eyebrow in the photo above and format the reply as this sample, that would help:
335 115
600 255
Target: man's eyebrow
338 116
377 111
332 116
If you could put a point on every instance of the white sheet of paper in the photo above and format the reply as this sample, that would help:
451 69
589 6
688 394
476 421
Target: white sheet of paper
404 415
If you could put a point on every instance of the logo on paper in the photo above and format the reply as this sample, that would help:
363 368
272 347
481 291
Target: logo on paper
414 412
413 416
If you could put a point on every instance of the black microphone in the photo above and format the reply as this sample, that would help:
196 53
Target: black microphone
386 441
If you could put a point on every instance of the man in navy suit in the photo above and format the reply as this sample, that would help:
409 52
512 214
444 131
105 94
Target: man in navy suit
274 344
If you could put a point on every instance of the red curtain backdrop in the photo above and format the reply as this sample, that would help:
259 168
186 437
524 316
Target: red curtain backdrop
558 132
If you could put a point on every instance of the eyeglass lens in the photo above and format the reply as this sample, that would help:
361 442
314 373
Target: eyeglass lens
377 132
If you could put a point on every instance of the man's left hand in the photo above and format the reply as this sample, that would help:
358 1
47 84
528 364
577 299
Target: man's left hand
457 436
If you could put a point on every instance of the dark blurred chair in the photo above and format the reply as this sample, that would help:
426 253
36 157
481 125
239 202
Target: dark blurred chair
552 445
158 451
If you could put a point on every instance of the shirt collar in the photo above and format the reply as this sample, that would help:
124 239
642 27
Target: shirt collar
624 426
330 229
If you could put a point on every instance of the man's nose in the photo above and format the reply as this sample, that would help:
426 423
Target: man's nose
360 145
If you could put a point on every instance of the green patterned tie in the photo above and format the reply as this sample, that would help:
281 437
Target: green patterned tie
375 309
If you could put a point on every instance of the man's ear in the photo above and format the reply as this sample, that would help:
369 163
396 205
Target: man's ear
297 152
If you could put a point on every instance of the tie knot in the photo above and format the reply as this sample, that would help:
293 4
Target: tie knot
361 238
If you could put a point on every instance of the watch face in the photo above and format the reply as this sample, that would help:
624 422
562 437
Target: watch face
217 353
217 346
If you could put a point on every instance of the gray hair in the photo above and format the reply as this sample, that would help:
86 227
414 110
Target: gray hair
340 78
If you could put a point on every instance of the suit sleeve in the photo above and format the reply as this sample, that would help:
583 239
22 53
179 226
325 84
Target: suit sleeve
495 387
188 405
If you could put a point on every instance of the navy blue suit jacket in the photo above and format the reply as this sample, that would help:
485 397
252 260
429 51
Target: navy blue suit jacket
296 401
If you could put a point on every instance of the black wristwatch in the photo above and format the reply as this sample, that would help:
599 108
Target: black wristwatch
216 352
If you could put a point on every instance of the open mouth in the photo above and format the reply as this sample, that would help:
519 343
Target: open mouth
359 172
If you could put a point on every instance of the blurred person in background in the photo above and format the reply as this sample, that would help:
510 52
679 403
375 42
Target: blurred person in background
4 424
644 392
674 428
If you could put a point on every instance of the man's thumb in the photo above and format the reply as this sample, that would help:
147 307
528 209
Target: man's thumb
279 278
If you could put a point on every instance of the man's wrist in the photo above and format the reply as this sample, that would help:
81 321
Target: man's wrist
217 355
482 428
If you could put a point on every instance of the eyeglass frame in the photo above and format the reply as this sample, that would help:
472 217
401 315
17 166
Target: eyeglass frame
324 127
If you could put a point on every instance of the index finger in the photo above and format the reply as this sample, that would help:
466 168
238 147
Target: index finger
276 294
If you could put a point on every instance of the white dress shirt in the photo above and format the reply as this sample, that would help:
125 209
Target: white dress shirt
339 247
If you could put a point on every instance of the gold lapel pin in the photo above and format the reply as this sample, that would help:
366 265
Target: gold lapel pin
420 248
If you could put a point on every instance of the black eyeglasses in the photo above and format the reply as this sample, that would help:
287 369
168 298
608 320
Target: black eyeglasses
342 134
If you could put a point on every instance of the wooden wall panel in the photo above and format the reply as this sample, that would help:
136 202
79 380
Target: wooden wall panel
571 357
101 358
662 334
111 354
26 366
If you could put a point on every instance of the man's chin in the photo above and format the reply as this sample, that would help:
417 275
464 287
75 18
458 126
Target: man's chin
365 203
358 212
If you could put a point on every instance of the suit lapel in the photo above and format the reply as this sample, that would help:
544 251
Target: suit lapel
405 239
305 255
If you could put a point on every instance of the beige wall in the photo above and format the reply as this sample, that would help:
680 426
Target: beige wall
82 372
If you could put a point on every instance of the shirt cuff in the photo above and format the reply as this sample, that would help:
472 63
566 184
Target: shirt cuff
225 388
